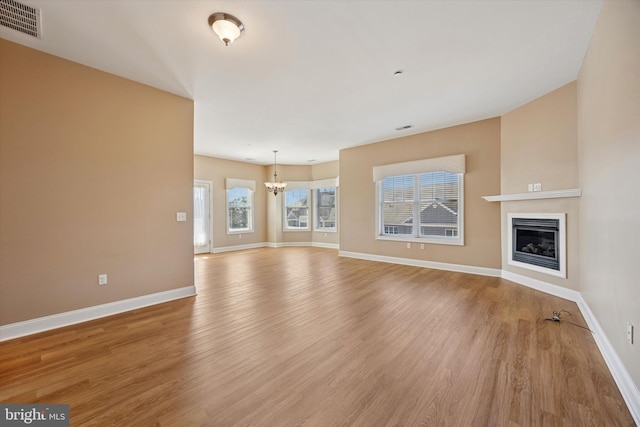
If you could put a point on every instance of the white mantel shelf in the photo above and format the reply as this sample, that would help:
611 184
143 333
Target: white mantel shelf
533 195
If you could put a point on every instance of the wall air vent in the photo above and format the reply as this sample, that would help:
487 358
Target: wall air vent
20 17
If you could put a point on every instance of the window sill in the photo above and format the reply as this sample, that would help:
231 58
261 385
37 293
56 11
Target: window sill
303 230
247 231
327 230
457 242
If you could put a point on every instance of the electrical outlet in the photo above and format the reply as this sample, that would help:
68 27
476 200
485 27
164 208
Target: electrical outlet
102 279
181 216
421 245
408 245
630 333
530 187
537 186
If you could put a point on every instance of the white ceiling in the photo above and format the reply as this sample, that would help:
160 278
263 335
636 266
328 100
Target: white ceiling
310 77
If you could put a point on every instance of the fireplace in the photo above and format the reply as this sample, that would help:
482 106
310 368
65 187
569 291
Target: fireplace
537 242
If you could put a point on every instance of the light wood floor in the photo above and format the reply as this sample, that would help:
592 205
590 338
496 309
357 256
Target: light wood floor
299 336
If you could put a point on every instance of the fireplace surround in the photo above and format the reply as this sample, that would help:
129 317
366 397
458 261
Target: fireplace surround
537 242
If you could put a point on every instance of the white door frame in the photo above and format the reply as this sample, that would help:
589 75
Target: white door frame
209 247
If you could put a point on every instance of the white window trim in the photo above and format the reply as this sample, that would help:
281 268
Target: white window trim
315 205
251 209
299 185
415 238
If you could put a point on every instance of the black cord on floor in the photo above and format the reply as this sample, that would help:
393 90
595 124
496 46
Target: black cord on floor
556 318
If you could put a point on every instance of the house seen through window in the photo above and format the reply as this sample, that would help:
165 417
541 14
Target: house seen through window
325 209
239 210
296 209
422 206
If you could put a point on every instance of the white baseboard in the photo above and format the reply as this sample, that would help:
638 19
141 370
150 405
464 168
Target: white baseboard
307 244
483 271
239 247
41 324
293 244
545 287
275 245
325 245
621 376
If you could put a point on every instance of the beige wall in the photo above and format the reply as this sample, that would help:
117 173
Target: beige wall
609 172
93 169
217 171
539 145
479 141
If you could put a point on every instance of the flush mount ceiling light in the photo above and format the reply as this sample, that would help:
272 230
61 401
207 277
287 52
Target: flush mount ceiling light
226 26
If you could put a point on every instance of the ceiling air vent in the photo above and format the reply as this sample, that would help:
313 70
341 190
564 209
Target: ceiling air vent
405 127
20 17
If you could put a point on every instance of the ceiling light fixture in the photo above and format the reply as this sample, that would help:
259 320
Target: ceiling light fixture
226 26
275 187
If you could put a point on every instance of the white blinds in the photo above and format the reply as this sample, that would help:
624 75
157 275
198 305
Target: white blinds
240 183
453 164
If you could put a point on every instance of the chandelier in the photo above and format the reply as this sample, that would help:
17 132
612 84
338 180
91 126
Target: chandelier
275 187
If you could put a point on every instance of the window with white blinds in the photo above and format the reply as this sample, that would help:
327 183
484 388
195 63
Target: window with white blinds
426 206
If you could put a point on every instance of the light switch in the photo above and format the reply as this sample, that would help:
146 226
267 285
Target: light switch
181 216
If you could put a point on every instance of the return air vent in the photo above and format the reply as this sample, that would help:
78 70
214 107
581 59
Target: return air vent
20 17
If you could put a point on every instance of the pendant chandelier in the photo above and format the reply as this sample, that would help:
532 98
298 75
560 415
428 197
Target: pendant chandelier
275 187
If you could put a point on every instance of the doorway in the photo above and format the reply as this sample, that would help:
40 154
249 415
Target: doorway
202 217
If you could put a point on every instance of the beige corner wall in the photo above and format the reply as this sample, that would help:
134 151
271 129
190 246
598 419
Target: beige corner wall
609 171
479 141
217 171
93 169
539 145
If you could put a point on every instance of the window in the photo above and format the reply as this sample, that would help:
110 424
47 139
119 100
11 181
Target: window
296 209
239 210
325 209
425 206
391 229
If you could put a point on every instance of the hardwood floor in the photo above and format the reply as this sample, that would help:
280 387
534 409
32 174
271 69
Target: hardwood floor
300 336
